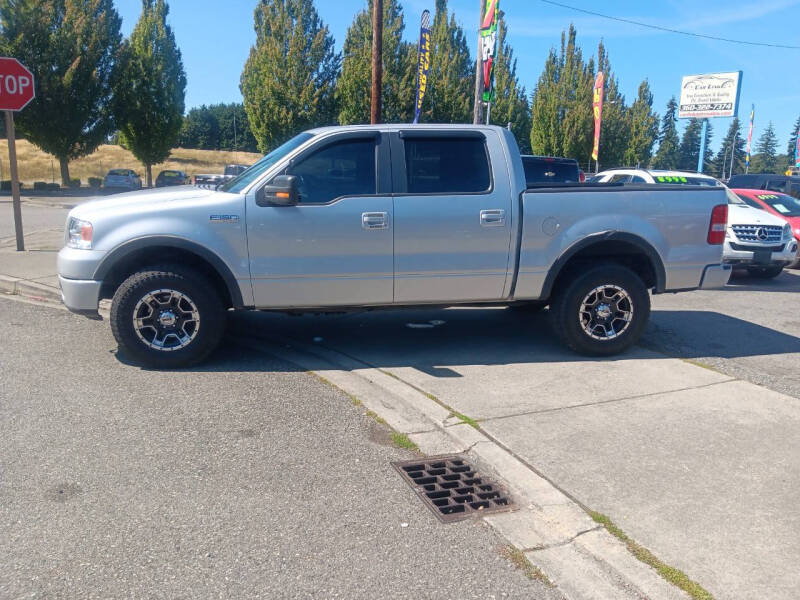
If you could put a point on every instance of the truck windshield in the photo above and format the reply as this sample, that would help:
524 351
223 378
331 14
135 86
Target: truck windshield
236 185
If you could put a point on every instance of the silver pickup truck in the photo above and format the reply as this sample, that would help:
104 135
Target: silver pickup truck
363 217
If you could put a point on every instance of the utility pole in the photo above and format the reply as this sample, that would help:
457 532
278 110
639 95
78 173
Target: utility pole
477 113
377 60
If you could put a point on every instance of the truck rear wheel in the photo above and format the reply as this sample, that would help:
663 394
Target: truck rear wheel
167 317
600 311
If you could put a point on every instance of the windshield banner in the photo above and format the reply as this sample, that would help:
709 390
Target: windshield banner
489 48
597 109
424 62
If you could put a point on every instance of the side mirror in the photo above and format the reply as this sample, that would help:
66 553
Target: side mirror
282 191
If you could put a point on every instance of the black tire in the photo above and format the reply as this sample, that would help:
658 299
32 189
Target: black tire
577 286
193 305
764 272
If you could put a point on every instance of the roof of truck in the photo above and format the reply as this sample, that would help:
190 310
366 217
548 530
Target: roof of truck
399 126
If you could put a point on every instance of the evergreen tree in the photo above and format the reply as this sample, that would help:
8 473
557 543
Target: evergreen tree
511 102
643 128
790 148
668 155
399 69
721 165
546 111
200 130
214 128
451 76
689 150
289 78
766 152
72 48
152 88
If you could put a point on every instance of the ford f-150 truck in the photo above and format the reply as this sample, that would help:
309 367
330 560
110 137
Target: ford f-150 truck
364 217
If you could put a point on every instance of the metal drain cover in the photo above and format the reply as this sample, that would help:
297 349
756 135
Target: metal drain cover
452 488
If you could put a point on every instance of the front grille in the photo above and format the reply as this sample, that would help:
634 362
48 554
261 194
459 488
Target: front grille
763 234
735 246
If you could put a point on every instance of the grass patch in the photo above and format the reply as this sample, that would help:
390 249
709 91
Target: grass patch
372 414
697 363
36 165
401 440
520 561
465 419
674 576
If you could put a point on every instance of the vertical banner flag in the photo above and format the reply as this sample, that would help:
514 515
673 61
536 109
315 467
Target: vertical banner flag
424 62
489 49
750 135
597 109
797 150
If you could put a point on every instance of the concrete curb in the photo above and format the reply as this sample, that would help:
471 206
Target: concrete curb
29 289
555 533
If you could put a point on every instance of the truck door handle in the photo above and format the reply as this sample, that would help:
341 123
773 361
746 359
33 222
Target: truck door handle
375 220
493 218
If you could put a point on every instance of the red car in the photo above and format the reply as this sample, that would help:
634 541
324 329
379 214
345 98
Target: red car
779 204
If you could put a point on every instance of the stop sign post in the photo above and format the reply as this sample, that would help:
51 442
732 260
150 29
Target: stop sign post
16 92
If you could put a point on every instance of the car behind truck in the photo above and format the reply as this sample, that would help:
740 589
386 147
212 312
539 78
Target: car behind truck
367 217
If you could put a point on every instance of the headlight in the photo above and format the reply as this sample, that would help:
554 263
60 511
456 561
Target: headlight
79 234
787 232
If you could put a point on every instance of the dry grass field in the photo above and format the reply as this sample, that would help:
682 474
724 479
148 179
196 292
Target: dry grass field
35 165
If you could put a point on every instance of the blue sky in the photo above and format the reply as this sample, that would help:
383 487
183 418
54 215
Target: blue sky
215 37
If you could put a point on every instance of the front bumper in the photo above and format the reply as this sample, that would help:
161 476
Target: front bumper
715 277
742 254
80 295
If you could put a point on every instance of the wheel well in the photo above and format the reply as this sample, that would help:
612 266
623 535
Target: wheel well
158 255
621 252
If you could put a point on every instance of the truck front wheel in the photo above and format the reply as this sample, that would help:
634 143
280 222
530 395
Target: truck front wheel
167 317
600 311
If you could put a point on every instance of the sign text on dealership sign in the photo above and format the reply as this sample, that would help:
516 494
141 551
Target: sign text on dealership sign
712 95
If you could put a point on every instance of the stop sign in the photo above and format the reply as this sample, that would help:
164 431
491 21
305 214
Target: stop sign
16 85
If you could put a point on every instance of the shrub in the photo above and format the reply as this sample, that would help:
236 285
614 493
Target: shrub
53 187
95 183
5 185
74 183
39 185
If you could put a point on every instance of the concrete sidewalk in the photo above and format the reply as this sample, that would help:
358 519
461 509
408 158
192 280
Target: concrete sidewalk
32 272
699 467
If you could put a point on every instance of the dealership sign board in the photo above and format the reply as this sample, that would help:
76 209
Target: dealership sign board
712 95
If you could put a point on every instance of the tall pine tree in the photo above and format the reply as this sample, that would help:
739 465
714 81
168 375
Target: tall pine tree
511 102
791 147
289 78
451 75
721 165
152 88
689 150
615 132
72 47
766 159
399 69
668 155
642 127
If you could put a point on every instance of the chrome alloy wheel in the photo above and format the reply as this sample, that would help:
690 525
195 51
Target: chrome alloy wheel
606 312
166 320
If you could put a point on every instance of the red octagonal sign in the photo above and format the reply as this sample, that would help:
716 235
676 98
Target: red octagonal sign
16 85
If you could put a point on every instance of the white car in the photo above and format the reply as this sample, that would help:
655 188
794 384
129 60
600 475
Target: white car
124 179
754 240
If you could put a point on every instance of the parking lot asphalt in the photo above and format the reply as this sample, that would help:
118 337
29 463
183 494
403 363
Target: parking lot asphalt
241 478
697 464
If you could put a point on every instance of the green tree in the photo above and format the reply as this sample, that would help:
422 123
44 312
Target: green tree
790 148
668 156
72 48
152 88
200 130
766 159
721 165
643 128
546 111
689 150
215 128
289 78
511 103
399 69
451 74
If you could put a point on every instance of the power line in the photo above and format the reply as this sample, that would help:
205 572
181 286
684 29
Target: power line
667 29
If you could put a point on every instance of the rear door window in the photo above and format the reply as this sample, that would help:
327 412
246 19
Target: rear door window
776 185
447 165
620 178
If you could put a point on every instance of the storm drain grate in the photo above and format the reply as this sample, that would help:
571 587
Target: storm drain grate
452 488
